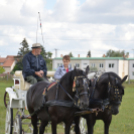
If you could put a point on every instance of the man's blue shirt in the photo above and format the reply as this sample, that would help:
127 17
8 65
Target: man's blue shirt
32 63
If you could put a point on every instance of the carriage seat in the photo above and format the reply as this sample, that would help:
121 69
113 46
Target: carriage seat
23 85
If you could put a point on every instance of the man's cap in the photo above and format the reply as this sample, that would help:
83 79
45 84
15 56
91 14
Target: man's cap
36 45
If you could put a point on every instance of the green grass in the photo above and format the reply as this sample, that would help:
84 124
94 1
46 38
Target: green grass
123 123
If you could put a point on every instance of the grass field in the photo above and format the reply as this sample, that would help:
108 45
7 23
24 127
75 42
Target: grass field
123 123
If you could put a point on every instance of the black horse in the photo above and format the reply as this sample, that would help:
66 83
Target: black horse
106 93
63 93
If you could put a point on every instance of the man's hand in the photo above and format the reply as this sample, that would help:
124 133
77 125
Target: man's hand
39 74
42 73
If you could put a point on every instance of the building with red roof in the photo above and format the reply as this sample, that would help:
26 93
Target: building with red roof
8 63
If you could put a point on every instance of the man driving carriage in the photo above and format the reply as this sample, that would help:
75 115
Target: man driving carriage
34 66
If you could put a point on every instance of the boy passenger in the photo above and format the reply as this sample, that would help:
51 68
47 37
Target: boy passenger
63 69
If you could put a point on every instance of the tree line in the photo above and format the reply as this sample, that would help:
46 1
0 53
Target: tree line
24 49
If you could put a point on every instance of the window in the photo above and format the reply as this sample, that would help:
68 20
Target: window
133 73
111 65
93 64
59 64
77 65
101 65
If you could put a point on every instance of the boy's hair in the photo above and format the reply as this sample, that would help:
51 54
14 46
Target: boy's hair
66 57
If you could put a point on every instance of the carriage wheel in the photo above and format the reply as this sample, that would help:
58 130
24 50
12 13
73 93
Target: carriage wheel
17 125
82 126
9 120
6 99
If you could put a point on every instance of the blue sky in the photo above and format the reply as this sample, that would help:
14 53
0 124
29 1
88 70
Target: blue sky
50 3
75 26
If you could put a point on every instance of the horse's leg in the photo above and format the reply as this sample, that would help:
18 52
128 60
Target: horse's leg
90 123
67 128
54 127
76 128
34 123
107 124
42 126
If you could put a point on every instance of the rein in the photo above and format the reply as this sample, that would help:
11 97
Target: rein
63 103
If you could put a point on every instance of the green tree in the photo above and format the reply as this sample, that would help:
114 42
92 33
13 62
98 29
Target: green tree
49 55
112 53
2 70
70 54
24 49
43 52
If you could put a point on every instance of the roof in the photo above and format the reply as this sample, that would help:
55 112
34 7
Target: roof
8 61
93 58
2 60
130 58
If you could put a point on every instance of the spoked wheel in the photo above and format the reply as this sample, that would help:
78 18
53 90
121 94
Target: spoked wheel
17 125
82 126
9 120
6 99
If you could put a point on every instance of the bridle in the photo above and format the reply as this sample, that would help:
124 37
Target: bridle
112 99
116 98
78 88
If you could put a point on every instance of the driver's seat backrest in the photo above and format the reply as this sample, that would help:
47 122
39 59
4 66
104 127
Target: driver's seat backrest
23 84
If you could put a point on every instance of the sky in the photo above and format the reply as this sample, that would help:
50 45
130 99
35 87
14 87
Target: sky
75 26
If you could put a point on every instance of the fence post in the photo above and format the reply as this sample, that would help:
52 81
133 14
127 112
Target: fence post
7 76
128 79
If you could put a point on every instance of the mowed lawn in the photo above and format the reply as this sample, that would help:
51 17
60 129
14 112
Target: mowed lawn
123 123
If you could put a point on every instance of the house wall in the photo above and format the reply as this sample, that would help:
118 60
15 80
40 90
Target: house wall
12 67
131 69
74 62
123 68
56 63
97 64
84 64
7 69
111 69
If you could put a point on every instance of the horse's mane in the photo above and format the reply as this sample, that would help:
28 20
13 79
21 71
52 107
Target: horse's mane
112 74
67 76
103 78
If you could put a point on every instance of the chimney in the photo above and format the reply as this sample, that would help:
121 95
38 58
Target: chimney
61 55
104 55
78 55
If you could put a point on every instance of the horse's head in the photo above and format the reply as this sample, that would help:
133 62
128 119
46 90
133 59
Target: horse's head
80 87
115 92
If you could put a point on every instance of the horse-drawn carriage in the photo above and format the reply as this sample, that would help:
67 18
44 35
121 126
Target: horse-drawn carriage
17 100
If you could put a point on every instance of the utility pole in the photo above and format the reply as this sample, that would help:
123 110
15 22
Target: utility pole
55 52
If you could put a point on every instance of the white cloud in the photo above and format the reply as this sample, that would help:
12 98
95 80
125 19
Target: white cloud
97 25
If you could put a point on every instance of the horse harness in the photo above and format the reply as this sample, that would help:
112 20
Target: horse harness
74 102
